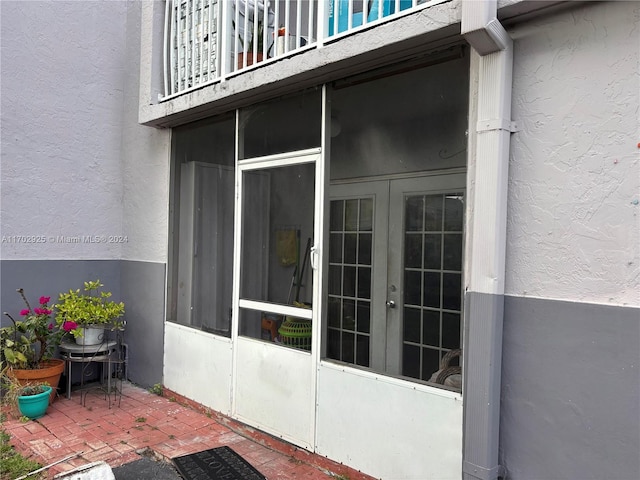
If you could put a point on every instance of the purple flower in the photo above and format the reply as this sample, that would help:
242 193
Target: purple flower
44 300
51 326
38 311
25 311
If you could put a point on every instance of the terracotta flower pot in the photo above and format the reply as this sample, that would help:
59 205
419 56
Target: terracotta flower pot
259 58
50 372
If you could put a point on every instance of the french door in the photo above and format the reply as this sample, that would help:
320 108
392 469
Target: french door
395 273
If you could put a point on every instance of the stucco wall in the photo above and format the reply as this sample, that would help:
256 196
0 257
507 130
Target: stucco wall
84 186
570 404
574 212
145 165
80 178
62 101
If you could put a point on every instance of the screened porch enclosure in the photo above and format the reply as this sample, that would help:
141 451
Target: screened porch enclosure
336 215
394 245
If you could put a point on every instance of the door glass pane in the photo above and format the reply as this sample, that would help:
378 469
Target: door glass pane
411 361
412 287
431 292
364 282
350 261
351 215
453 213
277 227
452 260
432 251
365 243
350 250
450 330
335 247
348 347
349 284
413 250
362 350
430 360
451 288
414 214
433 213
432 289
431 327
412 325
348 315
366 215
363 310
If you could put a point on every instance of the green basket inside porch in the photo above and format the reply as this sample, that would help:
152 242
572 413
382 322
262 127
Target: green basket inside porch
296 333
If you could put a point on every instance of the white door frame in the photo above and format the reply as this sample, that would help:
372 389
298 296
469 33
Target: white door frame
274 386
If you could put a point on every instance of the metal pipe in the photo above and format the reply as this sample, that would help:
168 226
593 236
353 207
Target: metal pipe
484 302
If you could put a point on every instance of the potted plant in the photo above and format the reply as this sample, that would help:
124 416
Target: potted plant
28 346
32 399
86 315
256 43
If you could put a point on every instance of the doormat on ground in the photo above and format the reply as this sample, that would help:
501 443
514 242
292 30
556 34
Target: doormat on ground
220 463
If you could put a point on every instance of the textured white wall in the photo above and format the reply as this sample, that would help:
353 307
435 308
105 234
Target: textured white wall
62 82
75 164
574 213
145 157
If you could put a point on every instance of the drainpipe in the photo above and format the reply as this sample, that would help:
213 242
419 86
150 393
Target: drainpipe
484 298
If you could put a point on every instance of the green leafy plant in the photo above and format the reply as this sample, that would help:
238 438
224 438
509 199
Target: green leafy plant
12 464
256 40
29 341
156 389
13 389
76 310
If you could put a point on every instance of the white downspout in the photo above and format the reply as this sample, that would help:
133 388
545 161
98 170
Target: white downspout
485 287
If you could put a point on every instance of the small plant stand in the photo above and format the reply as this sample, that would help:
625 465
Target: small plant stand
107 354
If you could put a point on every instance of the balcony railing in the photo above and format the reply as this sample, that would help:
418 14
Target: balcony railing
209 40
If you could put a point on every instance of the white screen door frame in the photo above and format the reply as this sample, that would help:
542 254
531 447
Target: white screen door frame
274 386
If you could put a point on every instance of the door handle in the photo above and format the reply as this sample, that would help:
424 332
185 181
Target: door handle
391 304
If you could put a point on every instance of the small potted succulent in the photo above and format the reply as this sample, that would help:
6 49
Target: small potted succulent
31 398
86 315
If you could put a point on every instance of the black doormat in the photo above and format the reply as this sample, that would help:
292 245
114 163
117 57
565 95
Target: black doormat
220 463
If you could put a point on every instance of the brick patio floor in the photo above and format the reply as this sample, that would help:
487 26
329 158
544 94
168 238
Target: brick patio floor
166 426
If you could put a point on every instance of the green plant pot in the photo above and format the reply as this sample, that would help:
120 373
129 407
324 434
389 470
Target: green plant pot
49 371
34 406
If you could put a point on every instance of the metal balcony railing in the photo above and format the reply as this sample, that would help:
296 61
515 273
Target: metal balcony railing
209 40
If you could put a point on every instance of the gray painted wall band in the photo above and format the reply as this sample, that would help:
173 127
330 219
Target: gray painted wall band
51 277
482 364
143 291
140 285
570 406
